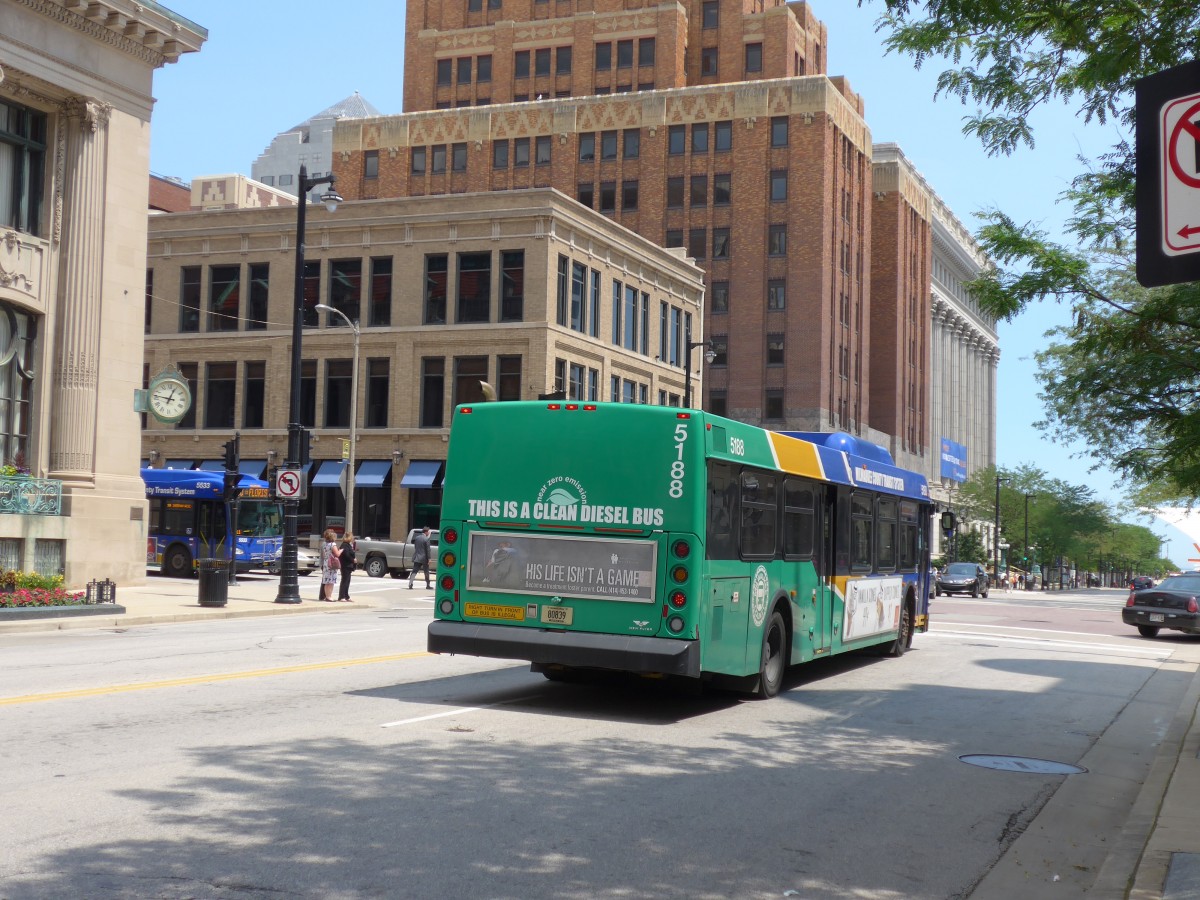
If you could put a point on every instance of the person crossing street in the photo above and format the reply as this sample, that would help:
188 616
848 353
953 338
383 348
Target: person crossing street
420 557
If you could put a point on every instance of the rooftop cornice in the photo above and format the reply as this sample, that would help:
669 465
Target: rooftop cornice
144 30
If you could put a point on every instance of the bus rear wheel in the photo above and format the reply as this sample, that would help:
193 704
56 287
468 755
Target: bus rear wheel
774 656
904 639
177 562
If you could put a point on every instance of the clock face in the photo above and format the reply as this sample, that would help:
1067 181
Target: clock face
170 399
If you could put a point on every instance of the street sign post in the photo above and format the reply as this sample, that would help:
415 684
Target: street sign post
1168 176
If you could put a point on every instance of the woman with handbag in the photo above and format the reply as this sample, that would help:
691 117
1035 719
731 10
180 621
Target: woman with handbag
331 564
348 555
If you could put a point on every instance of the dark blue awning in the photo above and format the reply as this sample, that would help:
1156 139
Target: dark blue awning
252 467
329 473
423 473
372 473
212 465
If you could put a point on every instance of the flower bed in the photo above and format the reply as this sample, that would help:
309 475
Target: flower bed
29 598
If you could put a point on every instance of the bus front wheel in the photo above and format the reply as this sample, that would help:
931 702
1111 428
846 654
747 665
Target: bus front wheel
774 656
177 562
904 639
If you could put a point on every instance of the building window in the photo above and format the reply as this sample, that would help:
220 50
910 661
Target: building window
16 388
458 157
311 293
777 293
439 159
521 153
777 240
578 321
371 164
433 392
22 167
254 394
720 244
629 195
474 287
512 285
587 146
474 5
724 136
603 57
224 294
381 292
541 61
256 301
586 195
444 71
483 69
720 348
779 186
608 196
699 193
542 149
720 297
285 180
345 289
633 143
562 61
189 298
339 375
464 70
774 349
608 145
147 322
722 189
773 406
575 382
710 14
717 403
436 277
697 243
624 54
468 372
700 138
594 319
220 388
521 64
675 192
564 265
646 51
676 139
418 160
779 131
709 61
674 236
189 371
508 378
308 393
500 155
754 57
378 388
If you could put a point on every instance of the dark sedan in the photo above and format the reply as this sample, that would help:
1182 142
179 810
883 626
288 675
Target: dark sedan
963 578
1173 604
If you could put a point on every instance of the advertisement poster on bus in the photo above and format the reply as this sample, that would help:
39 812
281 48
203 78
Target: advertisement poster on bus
872 606
562 566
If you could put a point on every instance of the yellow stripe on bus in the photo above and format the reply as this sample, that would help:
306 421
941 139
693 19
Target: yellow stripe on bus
796 457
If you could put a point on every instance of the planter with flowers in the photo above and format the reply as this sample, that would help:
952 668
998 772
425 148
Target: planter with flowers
28 595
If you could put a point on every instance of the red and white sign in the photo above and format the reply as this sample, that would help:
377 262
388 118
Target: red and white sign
1179 122
289 484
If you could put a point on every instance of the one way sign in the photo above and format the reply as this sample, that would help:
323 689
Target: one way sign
1168 176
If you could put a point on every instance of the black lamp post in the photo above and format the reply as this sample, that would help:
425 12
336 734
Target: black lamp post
1025 552
709 355
996 534
289 581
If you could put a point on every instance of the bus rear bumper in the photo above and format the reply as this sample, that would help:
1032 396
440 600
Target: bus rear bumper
626 653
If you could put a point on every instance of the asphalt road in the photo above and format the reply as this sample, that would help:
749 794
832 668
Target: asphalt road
331 757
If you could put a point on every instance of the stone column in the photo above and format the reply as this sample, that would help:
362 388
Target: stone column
82 163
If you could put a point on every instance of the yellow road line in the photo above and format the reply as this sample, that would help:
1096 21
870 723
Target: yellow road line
205 679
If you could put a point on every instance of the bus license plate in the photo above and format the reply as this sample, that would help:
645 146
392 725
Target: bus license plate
1157 617
557 615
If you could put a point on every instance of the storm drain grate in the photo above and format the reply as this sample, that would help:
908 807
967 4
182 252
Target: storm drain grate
1026 764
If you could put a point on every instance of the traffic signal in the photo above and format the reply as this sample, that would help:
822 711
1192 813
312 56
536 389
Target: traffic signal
232 490
233 454
305 447
948 523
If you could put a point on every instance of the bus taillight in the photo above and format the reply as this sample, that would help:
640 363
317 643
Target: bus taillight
681 549
447 582
678 599
447 607
449 536
675 624
679 574
449 559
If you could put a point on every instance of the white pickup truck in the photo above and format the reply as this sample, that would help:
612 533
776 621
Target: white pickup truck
379 558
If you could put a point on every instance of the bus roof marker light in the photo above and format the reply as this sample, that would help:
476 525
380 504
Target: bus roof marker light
572 406
683 415
553 406
589 407
466 410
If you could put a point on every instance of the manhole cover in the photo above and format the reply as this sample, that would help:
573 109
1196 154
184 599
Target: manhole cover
1025 764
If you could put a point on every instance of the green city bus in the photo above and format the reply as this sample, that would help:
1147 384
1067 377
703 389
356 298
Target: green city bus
667 541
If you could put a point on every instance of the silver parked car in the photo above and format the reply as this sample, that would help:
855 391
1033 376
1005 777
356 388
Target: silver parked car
307 561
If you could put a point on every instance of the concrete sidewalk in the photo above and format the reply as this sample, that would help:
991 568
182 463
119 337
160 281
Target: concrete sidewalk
1157 856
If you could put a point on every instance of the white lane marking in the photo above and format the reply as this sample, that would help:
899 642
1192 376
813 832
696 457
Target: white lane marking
940 622
1079 645
288 637
454 712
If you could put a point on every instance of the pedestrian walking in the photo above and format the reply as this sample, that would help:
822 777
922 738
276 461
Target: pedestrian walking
331 564
420 559
348 558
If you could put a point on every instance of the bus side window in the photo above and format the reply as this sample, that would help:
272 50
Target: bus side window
862 520
885 535
909 536
798 518
760 511
721 542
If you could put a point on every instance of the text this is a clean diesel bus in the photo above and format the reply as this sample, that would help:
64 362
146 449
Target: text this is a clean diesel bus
189 520
658 540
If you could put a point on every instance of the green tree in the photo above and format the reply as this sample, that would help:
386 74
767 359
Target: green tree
1123 377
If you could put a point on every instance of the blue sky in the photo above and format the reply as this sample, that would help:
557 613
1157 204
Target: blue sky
270 64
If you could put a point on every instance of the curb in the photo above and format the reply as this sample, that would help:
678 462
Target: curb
27 613
126 620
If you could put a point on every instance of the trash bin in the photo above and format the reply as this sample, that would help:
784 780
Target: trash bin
214 582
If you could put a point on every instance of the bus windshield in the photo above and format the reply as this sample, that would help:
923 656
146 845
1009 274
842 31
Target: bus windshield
259 518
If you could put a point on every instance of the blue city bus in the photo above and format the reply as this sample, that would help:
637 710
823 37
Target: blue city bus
189 520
